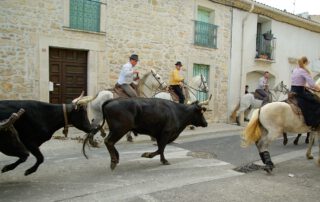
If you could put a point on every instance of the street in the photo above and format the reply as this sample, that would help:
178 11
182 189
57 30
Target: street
202 169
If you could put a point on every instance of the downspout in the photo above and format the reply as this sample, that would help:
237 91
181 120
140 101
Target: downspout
241 59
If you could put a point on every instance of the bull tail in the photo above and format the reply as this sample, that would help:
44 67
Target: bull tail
252 133
234 113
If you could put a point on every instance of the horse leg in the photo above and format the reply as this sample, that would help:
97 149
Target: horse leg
240 113
307 138
308 154
285 139
110 141
295 142
263 145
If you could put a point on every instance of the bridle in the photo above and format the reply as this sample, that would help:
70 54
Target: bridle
203 86
156 76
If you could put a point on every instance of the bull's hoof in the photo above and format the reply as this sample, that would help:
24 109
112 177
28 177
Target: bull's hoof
165 162
192 127
6 169
103 134
129 138
246 119
146 155
295 142
307 141
29 171
113 165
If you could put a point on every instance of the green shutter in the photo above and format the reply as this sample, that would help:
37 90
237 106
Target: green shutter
205 33
85 15
204 70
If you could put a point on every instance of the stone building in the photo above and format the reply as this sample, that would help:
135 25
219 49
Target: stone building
51 50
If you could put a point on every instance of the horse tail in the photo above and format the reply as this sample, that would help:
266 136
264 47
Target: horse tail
252 132
234 113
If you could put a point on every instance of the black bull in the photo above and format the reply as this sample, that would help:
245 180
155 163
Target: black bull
161 119
37 125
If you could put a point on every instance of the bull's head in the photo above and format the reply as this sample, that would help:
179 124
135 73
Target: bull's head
198 117
77 115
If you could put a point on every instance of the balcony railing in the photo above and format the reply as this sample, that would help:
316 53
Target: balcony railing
265 47
205 34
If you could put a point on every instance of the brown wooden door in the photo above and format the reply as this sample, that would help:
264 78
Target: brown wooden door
68 72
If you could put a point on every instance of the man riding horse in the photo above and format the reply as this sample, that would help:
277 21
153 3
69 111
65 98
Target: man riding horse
126 77
262 91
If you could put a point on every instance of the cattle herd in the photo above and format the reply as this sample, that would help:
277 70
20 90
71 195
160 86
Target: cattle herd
26 124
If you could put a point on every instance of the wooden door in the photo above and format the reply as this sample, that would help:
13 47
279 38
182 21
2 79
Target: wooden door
68 72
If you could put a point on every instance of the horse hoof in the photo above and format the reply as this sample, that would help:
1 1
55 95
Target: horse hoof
309 157
285 142
113 165
238 121
268 169
245 119
295 143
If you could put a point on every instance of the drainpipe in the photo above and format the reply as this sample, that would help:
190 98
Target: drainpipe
241 59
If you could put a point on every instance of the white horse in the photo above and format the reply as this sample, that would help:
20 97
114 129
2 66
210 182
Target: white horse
268 123
248 101
147 86
198 84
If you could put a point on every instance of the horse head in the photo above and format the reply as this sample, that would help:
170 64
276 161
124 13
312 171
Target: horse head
199 83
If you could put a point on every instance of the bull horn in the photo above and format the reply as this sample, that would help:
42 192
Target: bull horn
86 99
206 102
74 101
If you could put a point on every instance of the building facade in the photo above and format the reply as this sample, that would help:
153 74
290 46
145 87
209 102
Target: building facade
51 50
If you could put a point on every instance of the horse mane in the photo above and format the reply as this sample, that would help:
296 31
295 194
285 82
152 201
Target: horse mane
142 81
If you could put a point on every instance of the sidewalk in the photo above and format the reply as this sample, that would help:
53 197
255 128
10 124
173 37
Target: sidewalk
212 128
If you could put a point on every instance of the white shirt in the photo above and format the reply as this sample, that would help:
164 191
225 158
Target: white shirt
263 83
126 74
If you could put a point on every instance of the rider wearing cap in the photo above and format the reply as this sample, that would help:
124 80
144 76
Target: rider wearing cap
126 76
176 81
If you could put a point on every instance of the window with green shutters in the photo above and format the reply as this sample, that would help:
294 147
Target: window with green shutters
204 70
85 15
205 31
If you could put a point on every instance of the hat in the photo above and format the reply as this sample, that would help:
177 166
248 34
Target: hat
134 57
178 63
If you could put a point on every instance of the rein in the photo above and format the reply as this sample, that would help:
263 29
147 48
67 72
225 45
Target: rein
159 87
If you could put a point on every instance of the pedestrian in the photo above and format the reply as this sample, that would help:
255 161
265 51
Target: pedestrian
176 81
126 76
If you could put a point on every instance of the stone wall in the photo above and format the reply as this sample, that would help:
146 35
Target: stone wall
161 32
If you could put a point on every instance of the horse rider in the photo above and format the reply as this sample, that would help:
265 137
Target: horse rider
263 88
126 76
176 81
307 102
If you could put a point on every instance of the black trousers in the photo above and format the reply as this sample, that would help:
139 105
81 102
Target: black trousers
178 90
309 105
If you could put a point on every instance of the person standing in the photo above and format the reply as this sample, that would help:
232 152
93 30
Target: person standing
126 76
176 81
263 88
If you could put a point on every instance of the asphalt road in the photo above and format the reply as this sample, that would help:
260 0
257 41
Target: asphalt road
202 169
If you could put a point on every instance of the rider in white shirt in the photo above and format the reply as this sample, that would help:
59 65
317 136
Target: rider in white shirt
126 76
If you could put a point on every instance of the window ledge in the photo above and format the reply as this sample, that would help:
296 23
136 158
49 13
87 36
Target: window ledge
264 60
84 31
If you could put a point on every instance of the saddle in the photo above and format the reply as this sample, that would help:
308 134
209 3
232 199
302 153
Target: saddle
119 92
175 97
293 102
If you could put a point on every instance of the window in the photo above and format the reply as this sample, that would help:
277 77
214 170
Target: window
265 40
205 32
85 15
199 69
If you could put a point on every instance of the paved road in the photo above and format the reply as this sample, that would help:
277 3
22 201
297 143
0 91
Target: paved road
201 170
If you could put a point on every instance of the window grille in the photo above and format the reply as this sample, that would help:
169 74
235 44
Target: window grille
85 15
